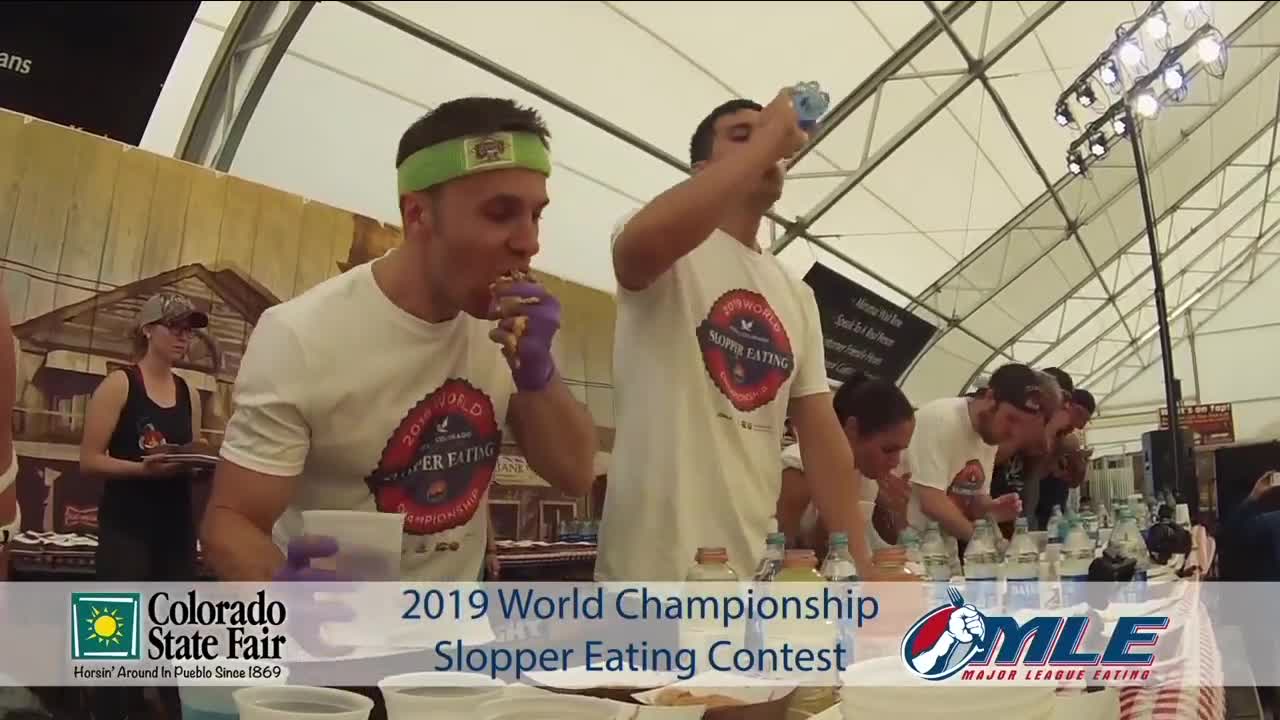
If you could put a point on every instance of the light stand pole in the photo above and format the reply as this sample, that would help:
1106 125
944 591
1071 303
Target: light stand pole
1162 312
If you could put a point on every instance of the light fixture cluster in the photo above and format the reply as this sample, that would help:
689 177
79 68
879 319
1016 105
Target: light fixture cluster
1122 82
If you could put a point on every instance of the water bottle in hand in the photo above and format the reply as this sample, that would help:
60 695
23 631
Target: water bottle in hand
811 103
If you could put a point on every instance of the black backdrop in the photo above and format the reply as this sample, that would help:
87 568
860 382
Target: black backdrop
1237 468
98 66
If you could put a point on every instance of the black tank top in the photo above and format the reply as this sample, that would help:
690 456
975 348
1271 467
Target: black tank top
129 501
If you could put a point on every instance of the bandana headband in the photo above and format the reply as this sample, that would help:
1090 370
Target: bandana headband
456 158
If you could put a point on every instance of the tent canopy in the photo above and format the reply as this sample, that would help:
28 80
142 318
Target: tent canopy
942 187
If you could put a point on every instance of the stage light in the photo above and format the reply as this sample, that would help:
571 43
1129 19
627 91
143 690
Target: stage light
1146 104
1119 125
1062 114
1210 49
1109 73
1174 78
1085 96
1098 145
1131 54
1157 26
1075 163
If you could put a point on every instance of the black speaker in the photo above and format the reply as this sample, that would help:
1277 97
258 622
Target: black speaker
1157 467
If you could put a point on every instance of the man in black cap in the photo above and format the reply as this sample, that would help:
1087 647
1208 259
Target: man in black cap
954 449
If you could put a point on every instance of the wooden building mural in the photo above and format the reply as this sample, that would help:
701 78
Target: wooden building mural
90 228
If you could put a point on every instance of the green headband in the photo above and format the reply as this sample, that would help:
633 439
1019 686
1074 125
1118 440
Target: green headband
451 159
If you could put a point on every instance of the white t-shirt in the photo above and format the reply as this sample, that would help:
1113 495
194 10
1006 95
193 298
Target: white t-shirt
376 409
948 454
705 362
867 491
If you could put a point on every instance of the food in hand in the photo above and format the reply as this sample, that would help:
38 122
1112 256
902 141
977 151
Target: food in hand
676 696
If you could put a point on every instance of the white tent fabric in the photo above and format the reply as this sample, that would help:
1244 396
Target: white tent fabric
972 222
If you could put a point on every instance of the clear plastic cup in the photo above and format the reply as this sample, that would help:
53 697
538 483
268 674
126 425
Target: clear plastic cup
440 696
296 702
369 543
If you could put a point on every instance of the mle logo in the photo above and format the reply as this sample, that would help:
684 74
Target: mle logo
106 626
959 637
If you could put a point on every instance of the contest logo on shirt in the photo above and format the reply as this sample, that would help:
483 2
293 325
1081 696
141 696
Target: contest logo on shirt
959 639
745 349
440 460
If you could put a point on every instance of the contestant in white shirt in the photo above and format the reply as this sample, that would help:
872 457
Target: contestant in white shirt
878 421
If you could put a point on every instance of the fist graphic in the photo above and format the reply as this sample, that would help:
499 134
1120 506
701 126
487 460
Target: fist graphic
966 624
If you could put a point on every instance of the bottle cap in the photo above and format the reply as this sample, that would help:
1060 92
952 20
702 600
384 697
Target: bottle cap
800 558
776 538
712 555
838 538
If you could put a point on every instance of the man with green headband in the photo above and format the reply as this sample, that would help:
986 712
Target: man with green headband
718 345
387 388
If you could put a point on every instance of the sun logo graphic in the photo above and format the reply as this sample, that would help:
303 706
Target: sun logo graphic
105 626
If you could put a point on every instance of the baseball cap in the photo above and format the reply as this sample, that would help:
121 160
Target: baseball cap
167 307
1021 387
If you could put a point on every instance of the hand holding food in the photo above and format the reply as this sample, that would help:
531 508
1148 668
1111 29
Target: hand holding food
528 317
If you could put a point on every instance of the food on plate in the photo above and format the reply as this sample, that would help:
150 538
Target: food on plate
676 696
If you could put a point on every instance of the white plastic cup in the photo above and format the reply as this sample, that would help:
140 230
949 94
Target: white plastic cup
213 699
1182 515
369 543
440 696
369 549
297 702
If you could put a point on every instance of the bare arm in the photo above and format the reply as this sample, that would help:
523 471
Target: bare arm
938 506
99 422
828 461
8 385
682 218
557 436
236 533
197 412
792 503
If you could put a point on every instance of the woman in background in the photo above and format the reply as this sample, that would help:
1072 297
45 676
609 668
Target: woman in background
878 421
146 528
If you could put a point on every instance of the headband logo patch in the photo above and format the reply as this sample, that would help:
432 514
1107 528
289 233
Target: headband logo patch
489 150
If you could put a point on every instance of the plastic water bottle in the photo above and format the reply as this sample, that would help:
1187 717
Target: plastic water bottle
770 565
1076 557
980 567
839 568
775 550
811 103
838 565
936 561
1089 519
909 540
1054 530
1022 569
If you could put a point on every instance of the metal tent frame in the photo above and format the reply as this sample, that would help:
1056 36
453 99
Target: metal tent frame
260 34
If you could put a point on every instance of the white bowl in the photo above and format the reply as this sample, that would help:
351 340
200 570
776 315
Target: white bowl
556 707
298 702
443 696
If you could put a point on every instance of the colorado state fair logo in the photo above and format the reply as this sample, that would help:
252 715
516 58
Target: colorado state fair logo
745 349
439 462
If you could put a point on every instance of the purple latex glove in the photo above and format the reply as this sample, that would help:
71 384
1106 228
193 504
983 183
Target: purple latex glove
528 317
305 613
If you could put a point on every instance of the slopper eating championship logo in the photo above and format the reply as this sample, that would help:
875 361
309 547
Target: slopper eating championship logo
440 460
959 638
745 349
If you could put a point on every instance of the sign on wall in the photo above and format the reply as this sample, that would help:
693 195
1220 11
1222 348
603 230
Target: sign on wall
97 66
513 469
1212 424
863 332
